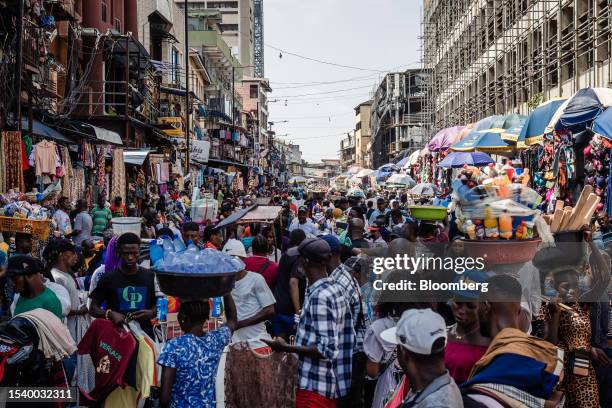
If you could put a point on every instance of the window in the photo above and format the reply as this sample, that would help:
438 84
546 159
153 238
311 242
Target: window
228 27
253 91
117 24
175 59
222 4
105 11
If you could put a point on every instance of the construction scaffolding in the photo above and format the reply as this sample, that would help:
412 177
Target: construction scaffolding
500 56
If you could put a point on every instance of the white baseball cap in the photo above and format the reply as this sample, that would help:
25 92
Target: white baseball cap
233 247
417 330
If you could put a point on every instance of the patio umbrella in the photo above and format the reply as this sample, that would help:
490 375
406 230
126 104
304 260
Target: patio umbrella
403 162
389 167
603 124
489 140
535 125
459 159
444 138
425 189
487 123
582 108
413 159
401 179
364 173
509 121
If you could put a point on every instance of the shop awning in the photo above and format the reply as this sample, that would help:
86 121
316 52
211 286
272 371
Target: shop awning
107 135
135 157
177 91
42 130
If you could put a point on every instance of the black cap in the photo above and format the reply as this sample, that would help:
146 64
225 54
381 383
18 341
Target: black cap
23 265
313 249
302 209
63 245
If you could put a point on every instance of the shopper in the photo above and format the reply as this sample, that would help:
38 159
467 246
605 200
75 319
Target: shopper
189 362
323 348
127 291
101 217
421 338
83 224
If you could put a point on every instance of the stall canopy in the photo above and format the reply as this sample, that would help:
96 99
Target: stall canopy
42 130
401 179
535 125
106 135
135 157
603 124
483 140
584 107
263 213
459 159
444 139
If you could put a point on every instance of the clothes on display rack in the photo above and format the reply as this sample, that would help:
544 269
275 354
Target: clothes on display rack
44 158
2 165
118 184
101 172
68 171
11 147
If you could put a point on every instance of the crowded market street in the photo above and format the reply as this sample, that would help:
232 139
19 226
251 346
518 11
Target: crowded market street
412 214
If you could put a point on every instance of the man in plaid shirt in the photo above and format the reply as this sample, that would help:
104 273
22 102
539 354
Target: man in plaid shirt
325 333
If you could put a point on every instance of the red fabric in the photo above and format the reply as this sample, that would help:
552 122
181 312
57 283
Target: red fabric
110 348
399 395
210 245
309 399
25 163
460 358
256 263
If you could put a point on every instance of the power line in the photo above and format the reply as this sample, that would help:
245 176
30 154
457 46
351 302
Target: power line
321 93
322 61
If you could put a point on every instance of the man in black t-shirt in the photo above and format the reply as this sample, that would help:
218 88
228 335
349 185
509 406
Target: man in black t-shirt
290 289
129 291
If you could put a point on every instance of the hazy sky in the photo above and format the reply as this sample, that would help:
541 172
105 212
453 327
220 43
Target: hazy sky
375 34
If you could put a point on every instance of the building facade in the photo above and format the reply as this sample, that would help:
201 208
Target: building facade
347 151
501 56
399 119
362 133
237 27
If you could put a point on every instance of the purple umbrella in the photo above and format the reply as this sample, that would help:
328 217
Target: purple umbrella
459 159
444 139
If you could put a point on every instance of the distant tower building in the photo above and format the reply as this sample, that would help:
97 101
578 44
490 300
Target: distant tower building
258 33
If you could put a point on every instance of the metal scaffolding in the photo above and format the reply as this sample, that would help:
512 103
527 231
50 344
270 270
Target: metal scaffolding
500 56
258 33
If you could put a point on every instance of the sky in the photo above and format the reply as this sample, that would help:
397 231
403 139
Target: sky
374 35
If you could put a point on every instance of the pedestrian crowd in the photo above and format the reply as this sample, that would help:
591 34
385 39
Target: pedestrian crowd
306 289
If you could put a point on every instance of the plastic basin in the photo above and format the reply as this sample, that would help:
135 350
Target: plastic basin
502 252
428 212
569 251
121 225
195 286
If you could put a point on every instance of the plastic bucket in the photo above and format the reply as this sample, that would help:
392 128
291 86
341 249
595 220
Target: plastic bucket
121 225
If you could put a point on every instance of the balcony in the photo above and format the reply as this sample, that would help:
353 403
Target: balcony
64 9
212 44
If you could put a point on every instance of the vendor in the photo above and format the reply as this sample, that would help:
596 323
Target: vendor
191 232
128 291
25 273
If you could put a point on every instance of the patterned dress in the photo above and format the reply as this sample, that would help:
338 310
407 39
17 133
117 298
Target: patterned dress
195 360
574 335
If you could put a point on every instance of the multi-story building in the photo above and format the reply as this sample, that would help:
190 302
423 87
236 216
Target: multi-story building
237 26
347 151
254 93
502 56
399 119
362 133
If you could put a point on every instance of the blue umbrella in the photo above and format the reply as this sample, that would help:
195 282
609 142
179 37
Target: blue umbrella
487 123
489 140
402 162
603 124
582 109
459 159
389 167
535 125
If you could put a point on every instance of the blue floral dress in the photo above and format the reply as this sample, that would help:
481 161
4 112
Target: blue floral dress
196 360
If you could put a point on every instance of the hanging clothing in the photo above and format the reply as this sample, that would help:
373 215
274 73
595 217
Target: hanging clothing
118 183
76 184
12 152
45 158
101 172
2 165
164 172
68 171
